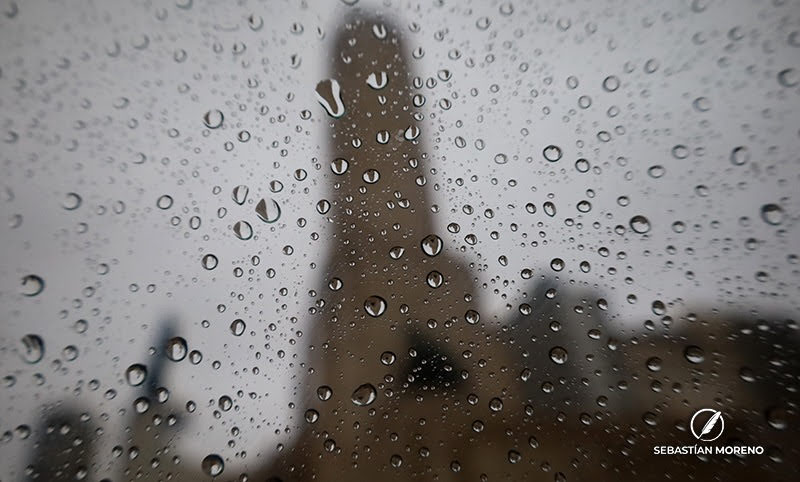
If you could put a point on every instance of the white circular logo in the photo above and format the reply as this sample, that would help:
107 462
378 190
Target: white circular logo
707 424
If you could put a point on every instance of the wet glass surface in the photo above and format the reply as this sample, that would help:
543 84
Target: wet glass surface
395 240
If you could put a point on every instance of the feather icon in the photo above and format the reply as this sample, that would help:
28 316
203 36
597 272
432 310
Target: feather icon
709 426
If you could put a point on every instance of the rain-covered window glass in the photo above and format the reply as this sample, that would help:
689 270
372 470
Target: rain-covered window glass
375 240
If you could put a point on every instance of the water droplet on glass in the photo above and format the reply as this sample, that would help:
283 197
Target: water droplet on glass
772 214
237 327
434 279
495 404
213 465
653 364
32 349
411 133
213 119
552 153
240 194
32 285
375 306
377 80
640 224
388 358
311 415
164 202
268 211
243 230
324 392
740 155
558 355
72 201
136 374
788 78
176 349
329 95
210 261
694 354
371 176
431 245
339 166
611 83
364 395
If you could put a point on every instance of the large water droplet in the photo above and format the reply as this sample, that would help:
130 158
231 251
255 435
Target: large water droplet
552 153
558 355
32 285
213 119
640 224
329 95
240 194
72 201
364 395
377 80
375 306
268 211
772 214
176 349
324 392
243 230
388 358
371 176
694 354
237 327
210 261
32 349
431 245
213 465
339 166
434 279
136 374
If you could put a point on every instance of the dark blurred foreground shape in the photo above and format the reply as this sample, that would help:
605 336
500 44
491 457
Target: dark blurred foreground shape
408 379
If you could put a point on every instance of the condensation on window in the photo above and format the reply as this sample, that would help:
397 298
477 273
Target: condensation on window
399 240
